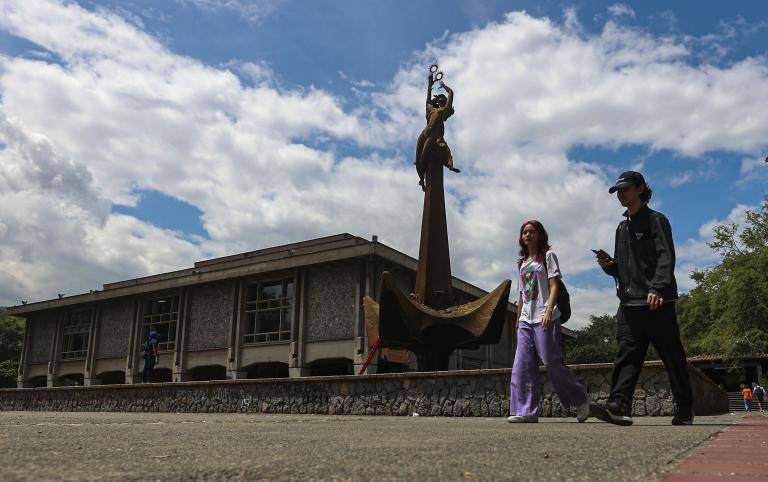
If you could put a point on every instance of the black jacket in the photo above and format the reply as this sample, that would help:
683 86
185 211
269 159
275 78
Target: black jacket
645 258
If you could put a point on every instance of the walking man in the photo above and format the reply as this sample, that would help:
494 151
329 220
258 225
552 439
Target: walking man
758 392
643 267
151 356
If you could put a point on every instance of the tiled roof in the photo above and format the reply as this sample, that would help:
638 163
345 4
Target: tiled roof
719 357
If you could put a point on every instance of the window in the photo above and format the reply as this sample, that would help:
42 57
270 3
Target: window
268 311
161 315
76 329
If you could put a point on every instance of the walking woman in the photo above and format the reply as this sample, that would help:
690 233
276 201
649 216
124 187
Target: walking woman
539 333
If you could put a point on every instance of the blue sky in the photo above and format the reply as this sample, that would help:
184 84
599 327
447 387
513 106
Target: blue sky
158 133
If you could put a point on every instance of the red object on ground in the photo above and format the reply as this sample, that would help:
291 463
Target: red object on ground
740 452
371 352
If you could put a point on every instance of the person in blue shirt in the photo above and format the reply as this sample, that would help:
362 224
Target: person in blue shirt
152 355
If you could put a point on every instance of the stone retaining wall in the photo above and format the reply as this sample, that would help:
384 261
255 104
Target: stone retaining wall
458 393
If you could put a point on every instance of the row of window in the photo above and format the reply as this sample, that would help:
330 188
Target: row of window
267 310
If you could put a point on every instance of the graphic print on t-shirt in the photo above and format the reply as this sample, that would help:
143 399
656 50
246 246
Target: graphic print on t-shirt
529 281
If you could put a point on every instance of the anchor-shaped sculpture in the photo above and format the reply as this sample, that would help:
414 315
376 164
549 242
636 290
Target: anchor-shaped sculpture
429 322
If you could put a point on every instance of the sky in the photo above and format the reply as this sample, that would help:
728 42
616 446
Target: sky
137 136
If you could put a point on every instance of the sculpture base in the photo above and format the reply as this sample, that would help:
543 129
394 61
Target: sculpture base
403 322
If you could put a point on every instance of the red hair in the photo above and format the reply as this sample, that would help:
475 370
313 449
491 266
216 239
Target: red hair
543 242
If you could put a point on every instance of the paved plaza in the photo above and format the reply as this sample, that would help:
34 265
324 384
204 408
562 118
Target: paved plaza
169 446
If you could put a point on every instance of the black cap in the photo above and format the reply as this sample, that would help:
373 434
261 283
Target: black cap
628 178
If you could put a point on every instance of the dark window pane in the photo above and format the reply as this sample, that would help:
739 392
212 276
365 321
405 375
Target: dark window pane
271 291
289 289
78 342
252 292
162 329
268 321
285 323
163 306
250 323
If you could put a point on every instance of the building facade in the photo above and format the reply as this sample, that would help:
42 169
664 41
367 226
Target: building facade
293 310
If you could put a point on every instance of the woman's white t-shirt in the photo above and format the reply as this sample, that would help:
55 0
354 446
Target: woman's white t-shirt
533 286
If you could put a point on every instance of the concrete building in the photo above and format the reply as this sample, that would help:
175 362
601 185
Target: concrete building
292 310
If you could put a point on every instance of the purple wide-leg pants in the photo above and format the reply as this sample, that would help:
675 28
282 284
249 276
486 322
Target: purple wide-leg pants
534 344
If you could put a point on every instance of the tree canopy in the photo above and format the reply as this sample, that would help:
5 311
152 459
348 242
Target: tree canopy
595 343
727 311
11 336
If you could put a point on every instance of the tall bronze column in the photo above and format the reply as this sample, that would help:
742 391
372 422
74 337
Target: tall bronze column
429 322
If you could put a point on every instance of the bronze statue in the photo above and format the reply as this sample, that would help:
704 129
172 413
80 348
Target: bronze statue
431 146
431 322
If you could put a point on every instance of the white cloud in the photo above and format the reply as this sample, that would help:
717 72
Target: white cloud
753 170
618 10
364 84
252 11
56 232
589 301
253 73
681 178
704 171
695 253
262 163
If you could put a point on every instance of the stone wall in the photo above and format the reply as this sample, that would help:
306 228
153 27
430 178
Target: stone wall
331 301
210 311
115 328
458 393
42 333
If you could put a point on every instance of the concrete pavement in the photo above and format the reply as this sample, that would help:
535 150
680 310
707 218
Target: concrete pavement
168 446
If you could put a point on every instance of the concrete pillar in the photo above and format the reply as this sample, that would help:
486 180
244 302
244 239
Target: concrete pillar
93 336
130 357
53 361
297 362
21 380
235 333
180 347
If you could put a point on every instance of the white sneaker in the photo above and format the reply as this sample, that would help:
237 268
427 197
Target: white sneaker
523 419
583 412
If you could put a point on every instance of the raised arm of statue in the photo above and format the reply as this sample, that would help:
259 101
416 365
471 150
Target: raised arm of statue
430 82
449 105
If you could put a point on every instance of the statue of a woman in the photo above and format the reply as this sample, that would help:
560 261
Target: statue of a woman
431 146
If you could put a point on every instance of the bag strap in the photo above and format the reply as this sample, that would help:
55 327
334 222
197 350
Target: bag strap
546 268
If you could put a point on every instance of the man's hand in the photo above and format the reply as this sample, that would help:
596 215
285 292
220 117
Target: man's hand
654 301
605 262
546 320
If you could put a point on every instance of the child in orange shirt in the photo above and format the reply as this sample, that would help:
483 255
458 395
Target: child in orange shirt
746 392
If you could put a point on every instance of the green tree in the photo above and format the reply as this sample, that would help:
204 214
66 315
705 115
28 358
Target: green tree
595 343
11 336
727 311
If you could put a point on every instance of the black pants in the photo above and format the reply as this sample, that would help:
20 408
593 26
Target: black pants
635 328
149 364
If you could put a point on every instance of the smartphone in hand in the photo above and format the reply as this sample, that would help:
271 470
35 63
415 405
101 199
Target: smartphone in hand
601 254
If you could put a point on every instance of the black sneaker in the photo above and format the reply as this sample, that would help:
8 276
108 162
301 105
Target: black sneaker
683 417
613 411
